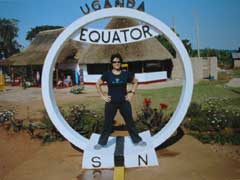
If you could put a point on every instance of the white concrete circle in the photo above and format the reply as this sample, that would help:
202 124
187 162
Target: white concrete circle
47 86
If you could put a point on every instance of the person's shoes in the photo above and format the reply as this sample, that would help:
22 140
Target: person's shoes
97 146
141 143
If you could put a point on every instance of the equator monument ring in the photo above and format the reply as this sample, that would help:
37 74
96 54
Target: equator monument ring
134 156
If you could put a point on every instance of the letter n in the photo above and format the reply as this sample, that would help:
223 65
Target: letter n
145 161
119 3
131 3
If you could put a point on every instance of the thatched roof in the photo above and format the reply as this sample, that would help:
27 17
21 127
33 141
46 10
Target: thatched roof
150 49
35 54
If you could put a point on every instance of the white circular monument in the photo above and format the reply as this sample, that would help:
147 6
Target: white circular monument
47 74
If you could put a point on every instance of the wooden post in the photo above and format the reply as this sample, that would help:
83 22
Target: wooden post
32 74
2 82
12 75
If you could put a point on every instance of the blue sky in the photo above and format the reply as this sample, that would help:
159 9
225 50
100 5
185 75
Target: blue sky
219 20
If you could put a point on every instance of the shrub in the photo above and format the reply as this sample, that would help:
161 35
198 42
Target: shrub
82 120
194 110
7 119
77 90
221 138
214 115
6 116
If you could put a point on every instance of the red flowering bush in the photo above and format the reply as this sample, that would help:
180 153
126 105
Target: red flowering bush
152 119
163 106
147 102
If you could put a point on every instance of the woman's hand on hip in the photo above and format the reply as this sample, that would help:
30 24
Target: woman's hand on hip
129 97
106 98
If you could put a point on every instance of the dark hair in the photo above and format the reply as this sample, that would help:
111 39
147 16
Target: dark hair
117 55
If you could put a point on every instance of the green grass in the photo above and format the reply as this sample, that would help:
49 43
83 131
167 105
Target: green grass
212 89
202 90
170 96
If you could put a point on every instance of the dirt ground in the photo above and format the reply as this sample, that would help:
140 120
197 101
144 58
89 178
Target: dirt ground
188 159
29 105
24 158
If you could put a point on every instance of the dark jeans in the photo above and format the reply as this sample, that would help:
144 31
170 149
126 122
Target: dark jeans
126 112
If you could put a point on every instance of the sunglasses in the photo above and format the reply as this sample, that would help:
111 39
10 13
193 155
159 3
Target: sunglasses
115 62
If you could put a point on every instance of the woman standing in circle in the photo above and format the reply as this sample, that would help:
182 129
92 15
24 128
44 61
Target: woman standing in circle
117 98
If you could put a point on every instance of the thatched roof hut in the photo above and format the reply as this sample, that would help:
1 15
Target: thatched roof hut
35 54
150 49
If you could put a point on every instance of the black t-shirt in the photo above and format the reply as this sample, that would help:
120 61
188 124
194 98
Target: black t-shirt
117 84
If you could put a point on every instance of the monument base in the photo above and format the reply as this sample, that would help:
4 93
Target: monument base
109 156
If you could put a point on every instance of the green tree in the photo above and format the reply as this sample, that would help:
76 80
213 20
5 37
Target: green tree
209 52
165 42
8 34
188 46
34 31
224 56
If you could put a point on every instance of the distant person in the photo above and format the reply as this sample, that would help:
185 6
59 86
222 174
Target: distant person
68 81
38 78
77 75
117 98
60 82
81 77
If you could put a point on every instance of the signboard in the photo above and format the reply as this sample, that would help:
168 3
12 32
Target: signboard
96 5
115 36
